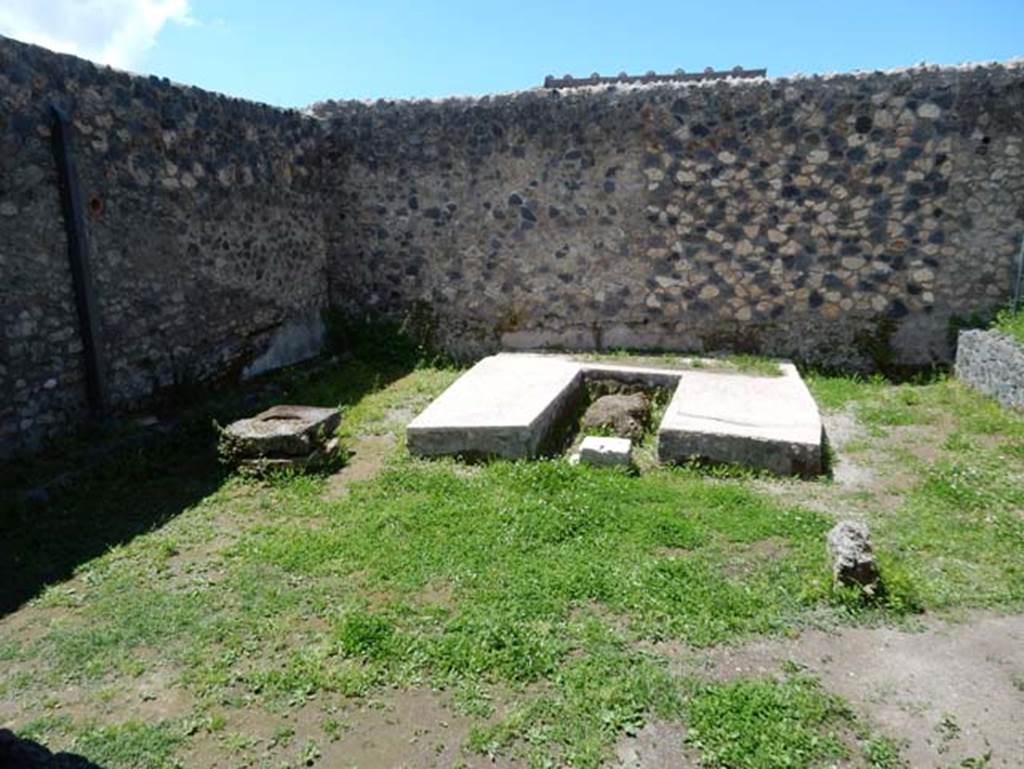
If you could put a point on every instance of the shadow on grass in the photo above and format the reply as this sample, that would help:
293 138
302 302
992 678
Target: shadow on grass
20 753
49 533
61 510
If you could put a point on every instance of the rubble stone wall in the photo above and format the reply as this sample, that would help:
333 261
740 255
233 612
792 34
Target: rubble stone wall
843 220
204 223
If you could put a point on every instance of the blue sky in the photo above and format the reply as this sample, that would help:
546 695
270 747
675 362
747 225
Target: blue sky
297 52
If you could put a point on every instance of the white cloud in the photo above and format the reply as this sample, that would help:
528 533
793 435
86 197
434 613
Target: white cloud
115 32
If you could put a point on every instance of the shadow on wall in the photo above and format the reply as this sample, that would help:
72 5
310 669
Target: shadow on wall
19 753
105 502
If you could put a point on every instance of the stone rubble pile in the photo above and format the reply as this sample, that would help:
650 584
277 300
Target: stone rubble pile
626 415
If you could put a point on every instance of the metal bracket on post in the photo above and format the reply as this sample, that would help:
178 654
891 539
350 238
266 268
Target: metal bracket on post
78 256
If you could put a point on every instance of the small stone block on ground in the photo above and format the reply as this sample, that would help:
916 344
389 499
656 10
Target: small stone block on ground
281 431
853 557
625 414
763 422
606 451
507 405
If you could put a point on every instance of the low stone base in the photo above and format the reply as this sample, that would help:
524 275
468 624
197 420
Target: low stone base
318 459
766 423
992 362
285 437
280 431
506 406
599 450
510 405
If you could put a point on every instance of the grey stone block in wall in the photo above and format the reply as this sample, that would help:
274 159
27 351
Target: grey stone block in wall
992 362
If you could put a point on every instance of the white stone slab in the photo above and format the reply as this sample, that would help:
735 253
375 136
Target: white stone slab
601 450
769 423
507 405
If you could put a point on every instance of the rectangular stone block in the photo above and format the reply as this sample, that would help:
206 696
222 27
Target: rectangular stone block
507 405
281 431
601 450
769 423
992 362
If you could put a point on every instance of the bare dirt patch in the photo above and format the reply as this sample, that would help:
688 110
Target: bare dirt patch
32 622
866 476
658 745
412 728
952 692
848 469
369 453
201 562
153 696
748 557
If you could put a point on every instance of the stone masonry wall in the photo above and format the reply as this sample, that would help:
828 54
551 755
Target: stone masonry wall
992 362
204 221
843 220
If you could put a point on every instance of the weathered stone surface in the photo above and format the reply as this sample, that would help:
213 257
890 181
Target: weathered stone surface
627 374
505 406
605 451
625 415
295 341
763 422
283 431
852 555
993 363
322 456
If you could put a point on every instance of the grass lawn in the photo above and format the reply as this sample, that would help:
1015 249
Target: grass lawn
163 613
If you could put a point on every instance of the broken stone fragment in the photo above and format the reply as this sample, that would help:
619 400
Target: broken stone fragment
280 431
599 450
853 558
624 415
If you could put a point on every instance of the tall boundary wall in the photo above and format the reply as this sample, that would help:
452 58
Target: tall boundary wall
846 220
205 236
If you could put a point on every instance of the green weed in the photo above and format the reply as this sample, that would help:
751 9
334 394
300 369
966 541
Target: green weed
1010 323
131 745
766 724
